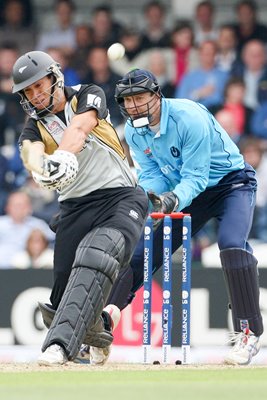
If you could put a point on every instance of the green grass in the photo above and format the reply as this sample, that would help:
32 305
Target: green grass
186 384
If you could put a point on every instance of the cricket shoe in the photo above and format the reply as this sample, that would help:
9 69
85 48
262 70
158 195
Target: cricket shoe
111 315
246 346
53 355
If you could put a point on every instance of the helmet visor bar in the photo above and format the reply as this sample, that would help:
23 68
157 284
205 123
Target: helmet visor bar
143 114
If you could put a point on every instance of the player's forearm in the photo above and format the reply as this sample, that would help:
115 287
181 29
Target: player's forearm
76 133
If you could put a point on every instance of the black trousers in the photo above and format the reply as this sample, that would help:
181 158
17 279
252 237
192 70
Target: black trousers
123 209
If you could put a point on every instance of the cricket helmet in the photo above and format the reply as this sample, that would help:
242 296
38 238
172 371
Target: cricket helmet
28 69
135 82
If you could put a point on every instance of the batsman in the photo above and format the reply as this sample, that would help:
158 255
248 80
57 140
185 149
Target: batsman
69 145
187 162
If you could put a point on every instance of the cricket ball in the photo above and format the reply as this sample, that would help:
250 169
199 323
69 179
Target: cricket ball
116 51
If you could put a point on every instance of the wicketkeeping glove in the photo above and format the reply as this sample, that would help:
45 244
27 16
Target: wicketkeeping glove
166 202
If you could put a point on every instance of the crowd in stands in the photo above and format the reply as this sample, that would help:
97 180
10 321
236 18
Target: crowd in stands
224 67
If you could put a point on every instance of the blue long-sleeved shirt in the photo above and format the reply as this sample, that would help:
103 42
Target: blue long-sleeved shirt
195 80
190 152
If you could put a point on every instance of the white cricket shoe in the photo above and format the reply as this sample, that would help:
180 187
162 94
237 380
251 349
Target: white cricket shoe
53 355
247 345
99 356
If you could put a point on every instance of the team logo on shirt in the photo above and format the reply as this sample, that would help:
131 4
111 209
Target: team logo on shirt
93 100
54 128
175 152
148 152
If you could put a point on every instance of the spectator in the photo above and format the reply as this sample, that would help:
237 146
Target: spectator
83 34
105 31
11 115
131 39
17 174
155 33
3 182
247 26
147 59
16 226
8 54
100 73
63 33
253 70
37 253
226 44
185 55
206 83
227 121
238 113
28 12
253 153
204 23
14 27
71 77
259 122
156 63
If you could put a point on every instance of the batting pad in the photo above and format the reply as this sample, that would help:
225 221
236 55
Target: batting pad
95 268
241 275
99 336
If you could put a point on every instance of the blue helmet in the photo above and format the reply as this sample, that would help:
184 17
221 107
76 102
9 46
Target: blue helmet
135 82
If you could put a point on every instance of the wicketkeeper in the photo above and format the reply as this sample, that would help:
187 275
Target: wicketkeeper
187 162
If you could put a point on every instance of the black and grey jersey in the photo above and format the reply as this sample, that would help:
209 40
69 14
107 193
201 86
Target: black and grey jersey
102 161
